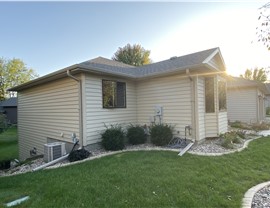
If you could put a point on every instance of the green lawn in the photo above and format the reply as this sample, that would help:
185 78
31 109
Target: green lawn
9 144
145 179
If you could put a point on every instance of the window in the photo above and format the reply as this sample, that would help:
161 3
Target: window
209 95
222 96
114 94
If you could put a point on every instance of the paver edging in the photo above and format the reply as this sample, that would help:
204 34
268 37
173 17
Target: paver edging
248 197
225 153
152 149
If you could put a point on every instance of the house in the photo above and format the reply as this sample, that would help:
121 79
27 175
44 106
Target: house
246 100
9 108
267 100
183 91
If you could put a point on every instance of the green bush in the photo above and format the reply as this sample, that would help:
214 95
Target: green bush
113 138
268 111
237 124
230 138
136 135
260 126
161 134
227 143
241 134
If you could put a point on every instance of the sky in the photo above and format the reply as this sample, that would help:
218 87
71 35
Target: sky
49 36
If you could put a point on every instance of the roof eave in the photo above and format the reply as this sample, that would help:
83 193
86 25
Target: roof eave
44 79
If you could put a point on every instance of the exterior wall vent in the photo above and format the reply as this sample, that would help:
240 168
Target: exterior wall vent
54 150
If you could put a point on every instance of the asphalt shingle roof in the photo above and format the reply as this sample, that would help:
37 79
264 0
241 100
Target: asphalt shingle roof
11 102
102 65
172 64
239 82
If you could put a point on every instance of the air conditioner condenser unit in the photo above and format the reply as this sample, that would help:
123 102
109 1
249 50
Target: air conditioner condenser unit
54 150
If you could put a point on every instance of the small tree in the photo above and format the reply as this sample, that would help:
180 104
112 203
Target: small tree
134 55
255 74
13 72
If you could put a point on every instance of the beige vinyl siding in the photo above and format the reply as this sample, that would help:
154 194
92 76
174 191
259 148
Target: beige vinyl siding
47 111
173 93
261 105
211 125
96 116
201 108
242 104
222 122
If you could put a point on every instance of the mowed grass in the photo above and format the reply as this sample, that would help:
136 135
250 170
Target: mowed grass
9 144
145 179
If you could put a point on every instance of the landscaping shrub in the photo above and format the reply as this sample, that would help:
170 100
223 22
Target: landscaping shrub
268 111
230 138
113 138
161 134
227 143
241 134
136 135
260 126
238 124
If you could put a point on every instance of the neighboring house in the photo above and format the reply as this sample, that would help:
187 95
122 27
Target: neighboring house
246 100
9 108
82 98
267 100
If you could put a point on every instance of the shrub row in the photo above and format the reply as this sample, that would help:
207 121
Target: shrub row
113 138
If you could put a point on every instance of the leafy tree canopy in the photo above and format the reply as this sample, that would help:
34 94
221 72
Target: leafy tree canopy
263 30
134 55
13 72
255 74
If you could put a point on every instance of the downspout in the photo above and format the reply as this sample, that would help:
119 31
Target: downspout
193 106
196 109
80 104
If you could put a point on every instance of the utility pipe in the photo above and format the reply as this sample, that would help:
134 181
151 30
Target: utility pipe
51 163
17 201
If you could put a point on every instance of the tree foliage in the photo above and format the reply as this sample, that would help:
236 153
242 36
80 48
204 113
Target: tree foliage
134 55
13 72
256 74
263 30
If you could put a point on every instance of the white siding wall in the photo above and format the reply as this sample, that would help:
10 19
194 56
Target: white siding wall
47 111
223 122
211 128
96 116
173 94
201 108
242 104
